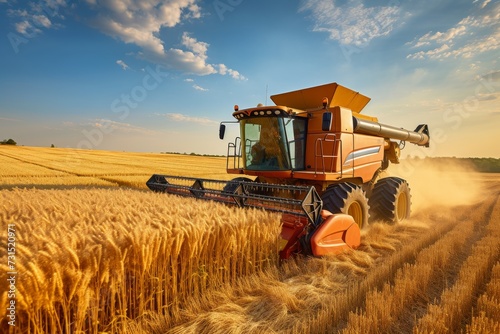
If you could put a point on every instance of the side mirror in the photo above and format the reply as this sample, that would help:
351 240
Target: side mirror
222 131
327 121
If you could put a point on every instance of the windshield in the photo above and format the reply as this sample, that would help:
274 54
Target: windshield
273 143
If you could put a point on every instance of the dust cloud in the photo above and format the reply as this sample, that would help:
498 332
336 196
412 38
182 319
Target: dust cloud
439 183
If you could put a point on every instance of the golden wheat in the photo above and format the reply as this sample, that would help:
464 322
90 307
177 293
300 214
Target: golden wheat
458 300
66 168
386 307
488 307
99 257
53 161
92 260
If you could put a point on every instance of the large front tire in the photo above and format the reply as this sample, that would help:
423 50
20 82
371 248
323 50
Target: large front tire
347 198
391 200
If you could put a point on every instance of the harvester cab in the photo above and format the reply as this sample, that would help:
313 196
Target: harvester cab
314 157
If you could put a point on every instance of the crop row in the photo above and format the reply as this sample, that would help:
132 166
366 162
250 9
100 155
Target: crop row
487 311
387 310
456 302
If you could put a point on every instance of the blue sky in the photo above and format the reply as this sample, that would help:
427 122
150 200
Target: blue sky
159 76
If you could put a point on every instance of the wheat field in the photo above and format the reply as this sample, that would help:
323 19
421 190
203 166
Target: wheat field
97 253
46 167
88 259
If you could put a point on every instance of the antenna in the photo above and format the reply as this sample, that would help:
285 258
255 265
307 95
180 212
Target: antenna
266 97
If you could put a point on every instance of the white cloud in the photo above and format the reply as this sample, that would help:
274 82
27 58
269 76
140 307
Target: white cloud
122 64
194 11
140 22
448 36
184 118
469 37
189 80
468 50
440 52
198 48
200 88
223 70
193 60
483 3
42 20
36 17
25 28
50 7
351 24
236 75
481 45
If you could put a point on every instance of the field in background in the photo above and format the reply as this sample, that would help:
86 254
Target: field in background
438 272
39 167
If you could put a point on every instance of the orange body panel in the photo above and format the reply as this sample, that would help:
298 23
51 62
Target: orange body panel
364 173
341 122
340 153
293 228
338 232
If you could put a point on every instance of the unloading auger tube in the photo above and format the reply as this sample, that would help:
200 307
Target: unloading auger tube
419 137
306 228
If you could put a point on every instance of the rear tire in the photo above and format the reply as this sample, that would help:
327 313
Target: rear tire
391 200
347 198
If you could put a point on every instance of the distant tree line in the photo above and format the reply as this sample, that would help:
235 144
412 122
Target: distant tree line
484 165
9 141
194 154
487 165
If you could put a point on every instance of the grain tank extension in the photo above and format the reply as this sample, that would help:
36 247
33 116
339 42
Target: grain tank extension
315 157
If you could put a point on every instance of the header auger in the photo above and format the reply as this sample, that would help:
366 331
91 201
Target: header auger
314 157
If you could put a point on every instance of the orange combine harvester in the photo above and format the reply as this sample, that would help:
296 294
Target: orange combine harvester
314 157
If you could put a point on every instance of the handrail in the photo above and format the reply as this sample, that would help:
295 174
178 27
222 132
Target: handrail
319 152
234 151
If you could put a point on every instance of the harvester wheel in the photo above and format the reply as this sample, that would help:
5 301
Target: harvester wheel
347 198
231 186
391 200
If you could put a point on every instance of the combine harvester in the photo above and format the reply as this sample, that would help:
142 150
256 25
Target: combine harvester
317 160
